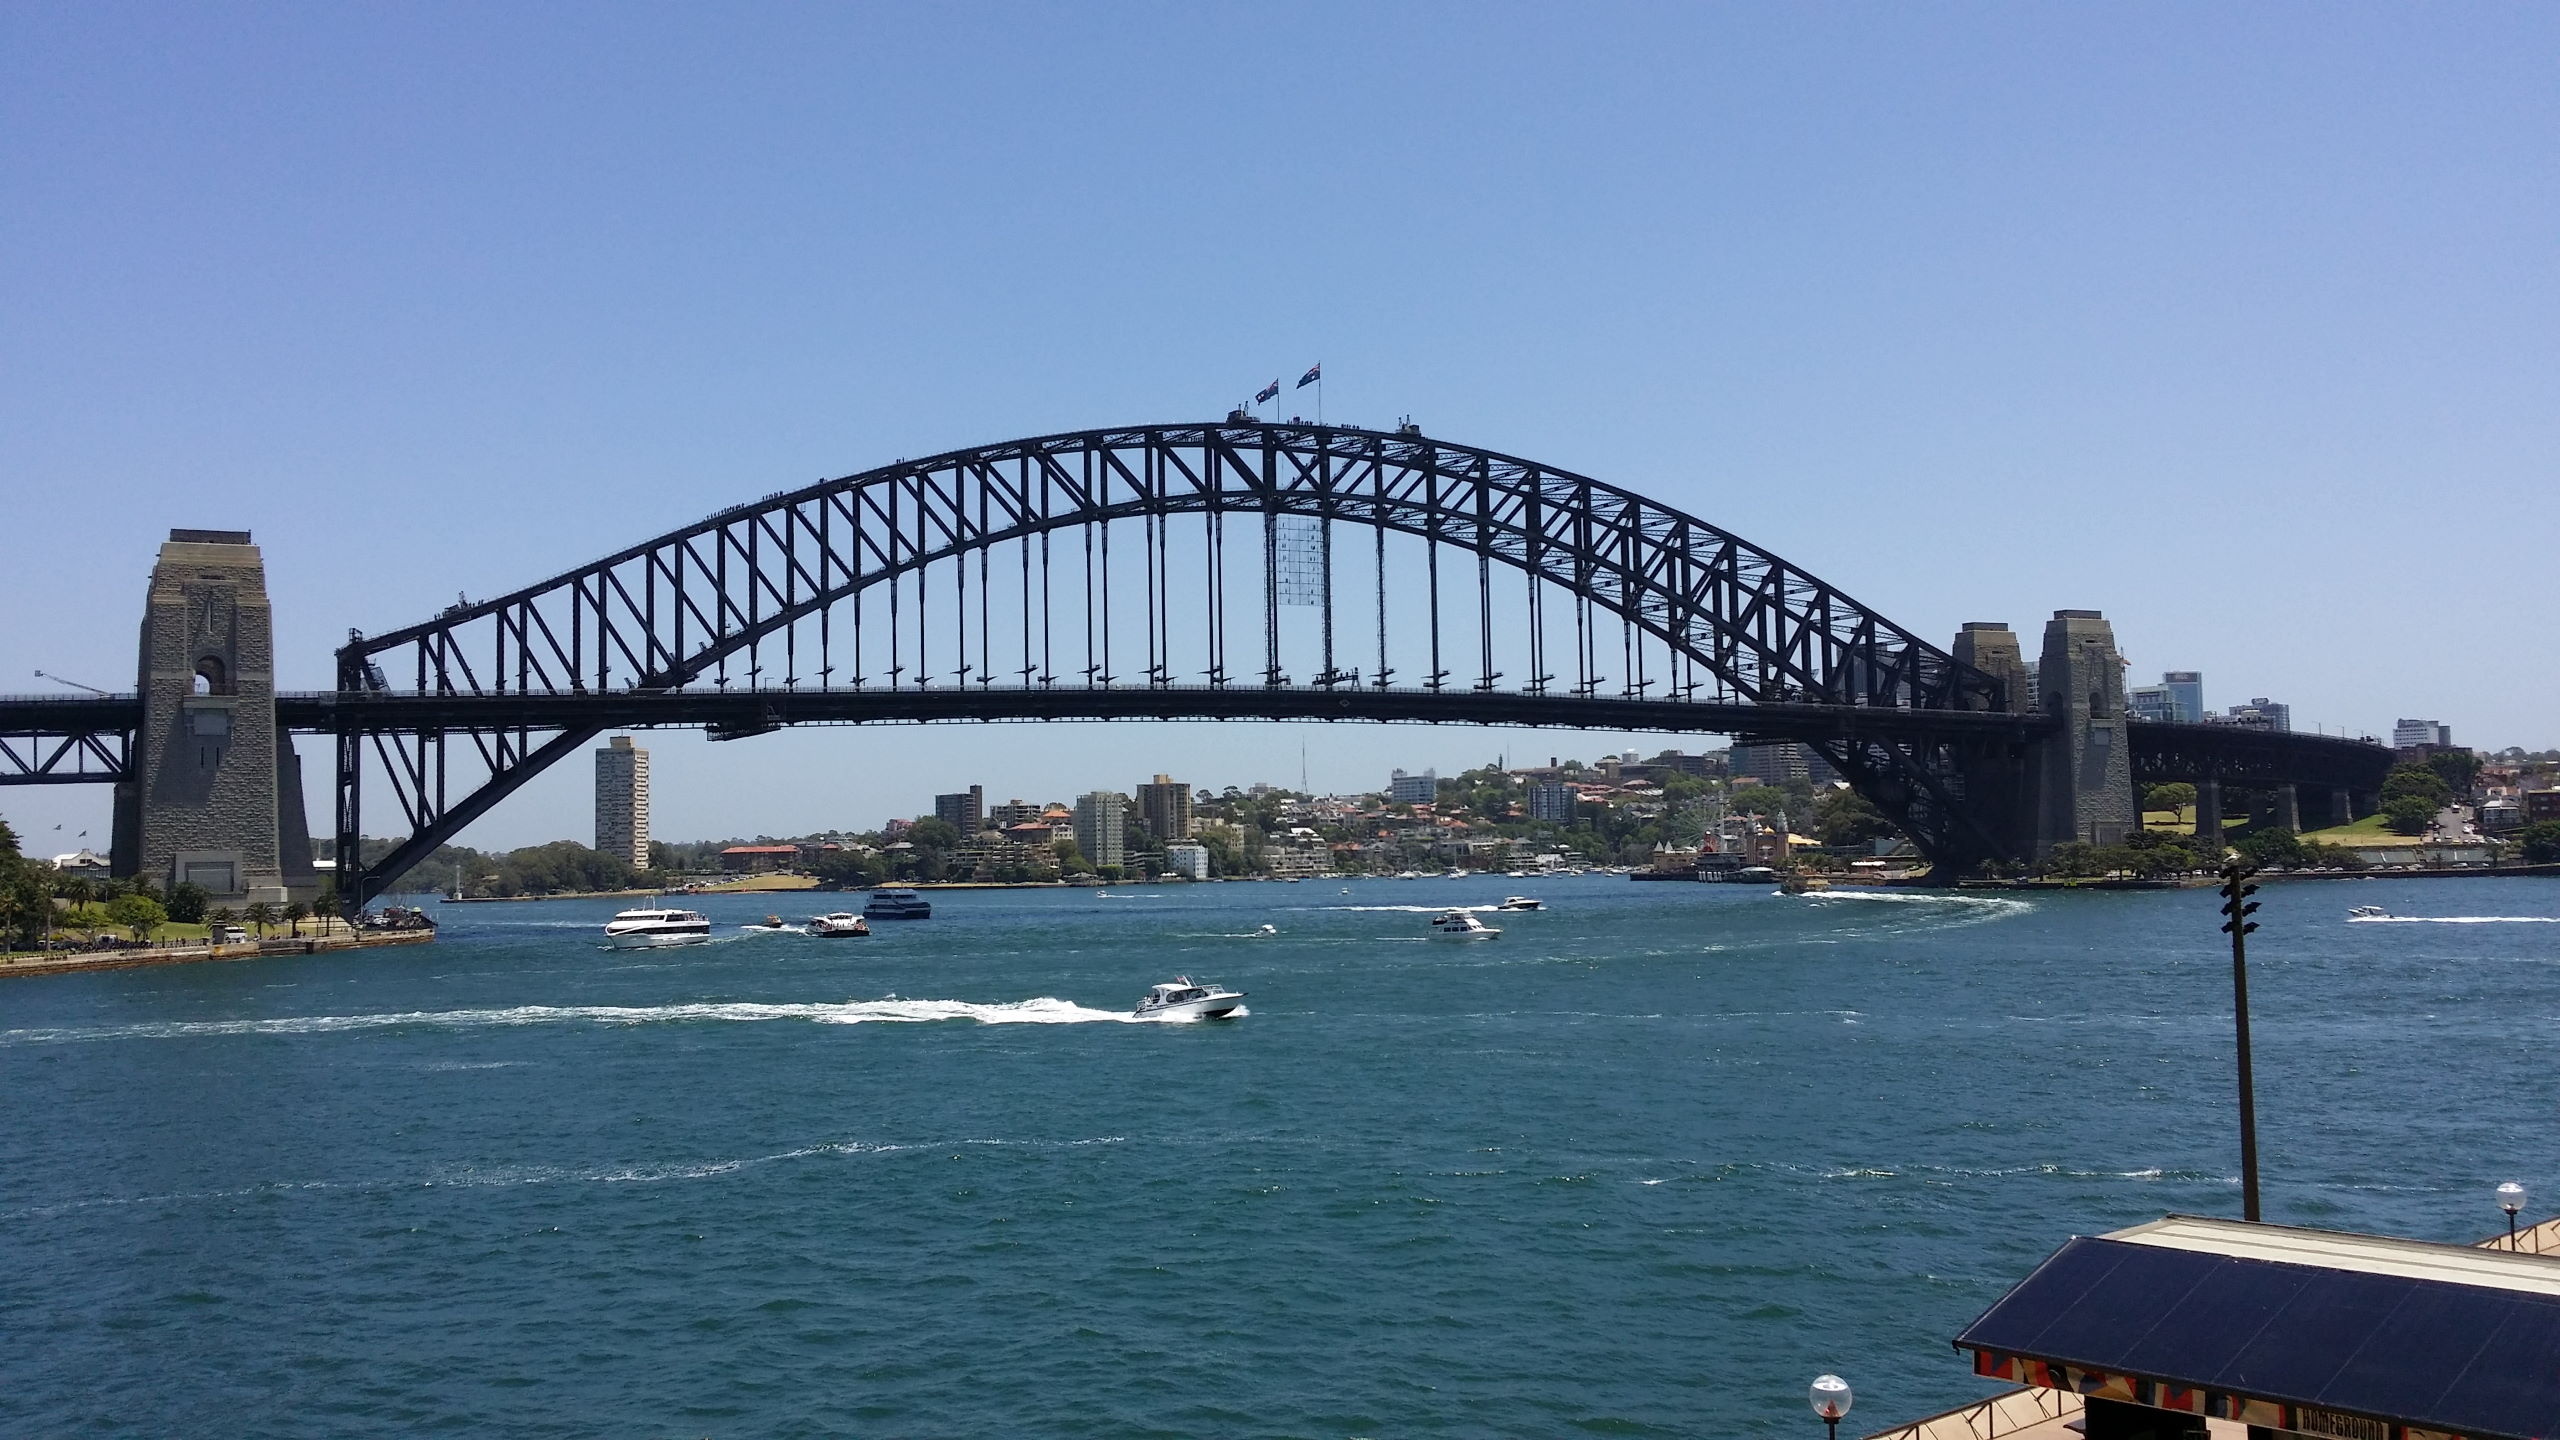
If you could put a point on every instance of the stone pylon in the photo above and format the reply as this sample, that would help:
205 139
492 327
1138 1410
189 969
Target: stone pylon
2085 778
216 798
1999 775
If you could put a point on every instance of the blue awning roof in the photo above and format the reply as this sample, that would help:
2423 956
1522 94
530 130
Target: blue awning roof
2441 1337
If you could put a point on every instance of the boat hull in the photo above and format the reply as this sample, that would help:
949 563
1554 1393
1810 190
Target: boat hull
656 939
1216 1007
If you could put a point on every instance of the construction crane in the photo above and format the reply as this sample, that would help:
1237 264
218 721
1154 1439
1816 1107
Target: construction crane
74 684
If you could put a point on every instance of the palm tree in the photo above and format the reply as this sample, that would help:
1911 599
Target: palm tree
295 912
262 915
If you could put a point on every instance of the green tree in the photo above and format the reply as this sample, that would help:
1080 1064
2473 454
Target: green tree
2460 769
295 912
186 903
2409 814
2415 779
1071 859
260 914
934 835
2270 847
2174 797
138 913
2539 843
1843 817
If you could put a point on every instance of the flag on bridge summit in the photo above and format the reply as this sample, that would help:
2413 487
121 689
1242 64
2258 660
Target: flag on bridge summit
1314 373
1266 392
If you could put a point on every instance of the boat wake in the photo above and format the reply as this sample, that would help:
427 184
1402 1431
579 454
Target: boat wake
1046 1010
2453 919
1415 909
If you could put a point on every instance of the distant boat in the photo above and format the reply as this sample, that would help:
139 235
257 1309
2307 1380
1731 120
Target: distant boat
896 902
1520 902
2367 912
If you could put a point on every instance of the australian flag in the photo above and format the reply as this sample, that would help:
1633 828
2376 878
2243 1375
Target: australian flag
1314 373
1266 392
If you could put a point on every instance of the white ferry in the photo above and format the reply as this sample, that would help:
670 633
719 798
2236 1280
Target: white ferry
651 926
896 902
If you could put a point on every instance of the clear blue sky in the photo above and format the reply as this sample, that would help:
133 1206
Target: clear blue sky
2241 324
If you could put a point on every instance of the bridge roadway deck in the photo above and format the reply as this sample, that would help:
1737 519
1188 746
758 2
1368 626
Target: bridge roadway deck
2161 751
747 712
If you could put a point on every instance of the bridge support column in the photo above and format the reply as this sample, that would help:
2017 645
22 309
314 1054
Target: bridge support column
2085 775
2282 808
2342 806
2209 818
1999 777
209 765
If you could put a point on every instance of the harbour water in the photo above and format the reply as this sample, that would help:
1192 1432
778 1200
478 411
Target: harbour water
1640 1167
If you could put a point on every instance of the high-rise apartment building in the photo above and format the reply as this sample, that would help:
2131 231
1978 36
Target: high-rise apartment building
1102 827
964 810
2262 712
2406 733
622 801
1164 807
2179 697
1552 801
1422 789
1774 764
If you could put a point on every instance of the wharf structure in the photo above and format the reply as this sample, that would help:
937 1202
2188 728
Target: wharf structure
2189 1328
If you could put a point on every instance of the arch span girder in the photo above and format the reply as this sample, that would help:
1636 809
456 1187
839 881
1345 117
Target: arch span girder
1688 599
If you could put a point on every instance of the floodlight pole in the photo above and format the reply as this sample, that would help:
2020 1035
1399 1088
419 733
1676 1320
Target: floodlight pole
2237 907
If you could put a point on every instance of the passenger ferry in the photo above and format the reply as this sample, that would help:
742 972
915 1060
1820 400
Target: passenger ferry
896 902
651 926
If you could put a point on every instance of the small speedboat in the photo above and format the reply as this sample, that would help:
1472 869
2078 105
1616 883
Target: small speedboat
841 924
1459 925
651 926
1267 930
1183 998
1520 902
771 925
896 902
2367 912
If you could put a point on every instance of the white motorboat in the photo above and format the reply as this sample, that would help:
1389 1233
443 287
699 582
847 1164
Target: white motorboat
839 925
1520 902
1183 998
649 926
1459 925
772 925
896 902
1267 930
2367 912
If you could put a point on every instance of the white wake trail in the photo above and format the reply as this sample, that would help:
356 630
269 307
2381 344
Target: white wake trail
1045 1010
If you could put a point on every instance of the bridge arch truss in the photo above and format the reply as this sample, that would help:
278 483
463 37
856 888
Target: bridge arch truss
1222 570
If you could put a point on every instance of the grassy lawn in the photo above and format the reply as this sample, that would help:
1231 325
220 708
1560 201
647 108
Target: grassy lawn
760 882
2368 831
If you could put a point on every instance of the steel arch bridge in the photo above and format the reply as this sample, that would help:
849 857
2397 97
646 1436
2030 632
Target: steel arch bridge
1235 570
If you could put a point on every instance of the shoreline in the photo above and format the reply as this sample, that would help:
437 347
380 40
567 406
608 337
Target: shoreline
81 961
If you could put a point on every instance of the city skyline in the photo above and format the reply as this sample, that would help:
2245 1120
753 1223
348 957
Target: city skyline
1983 305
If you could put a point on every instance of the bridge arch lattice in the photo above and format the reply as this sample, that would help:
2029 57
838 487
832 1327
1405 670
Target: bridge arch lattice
1166 569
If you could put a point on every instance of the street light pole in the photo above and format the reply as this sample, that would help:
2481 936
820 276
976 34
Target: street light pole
1831 1399
2237 907
2511 1200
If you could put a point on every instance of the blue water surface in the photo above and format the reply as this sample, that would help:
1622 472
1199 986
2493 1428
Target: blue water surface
1642 1166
